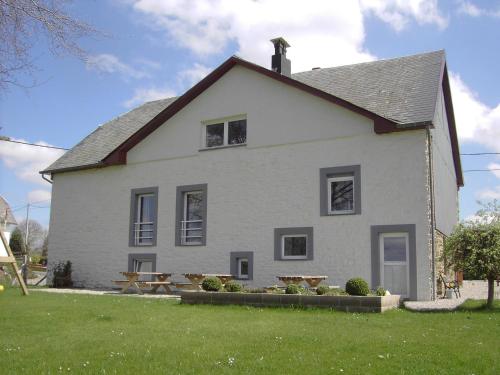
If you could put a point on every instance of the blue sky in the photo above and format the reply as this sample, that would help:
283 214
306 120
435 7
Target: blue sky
159 48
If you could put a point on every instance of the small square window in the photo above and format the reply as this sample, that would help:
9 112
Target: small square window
341 195
294 246
241 265
215 135
340 190
293 243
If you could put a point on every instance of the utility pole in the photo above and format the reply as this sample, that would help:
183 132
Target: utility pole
26 250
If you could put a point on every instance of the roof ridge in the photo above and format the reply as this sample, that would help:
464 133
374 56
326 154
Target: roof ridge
374 61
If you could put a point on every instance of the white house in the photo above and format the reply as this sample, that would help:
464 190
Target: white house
7 220
345 171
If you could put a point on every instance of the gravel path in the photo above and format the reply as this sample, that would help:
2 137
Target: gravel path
103 292
471 289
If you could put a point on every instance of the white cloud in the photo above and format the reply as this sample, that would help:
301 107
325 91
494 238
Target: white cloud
327 34
470 9
398 13
476 122
195 74
142 95
466 7
26 161
38 196
495 169
107 63
489 194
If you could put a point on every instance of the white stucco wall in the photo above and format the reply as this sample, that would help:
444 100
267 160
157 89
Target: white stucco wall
445 183
272 182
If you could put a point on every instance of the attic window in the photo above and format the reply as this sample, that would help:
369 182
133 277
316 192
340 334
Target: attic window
223 133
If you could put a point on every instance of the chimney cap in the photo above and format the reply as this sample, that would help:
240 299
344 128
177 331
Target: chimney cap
280 40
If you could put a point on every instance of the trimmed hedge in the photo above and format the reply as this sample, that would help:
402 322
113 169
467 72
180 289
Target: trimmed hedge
357 287
211 284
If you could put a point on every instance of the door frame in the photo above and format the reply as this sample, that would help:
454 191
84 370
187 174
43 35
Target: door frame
383 263
375 231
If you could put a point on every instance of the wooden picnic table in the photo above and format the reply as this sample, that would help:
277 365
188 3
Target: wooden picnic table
134 282
313 281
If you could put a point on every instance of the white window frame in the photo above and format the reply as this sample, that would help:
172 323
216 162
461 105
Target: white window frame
395 263
184 221
283 256
226 122
338 179
138 223
239 261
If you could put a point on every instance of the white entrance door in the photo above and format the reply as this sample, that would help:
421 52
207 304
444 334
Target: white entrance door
394 273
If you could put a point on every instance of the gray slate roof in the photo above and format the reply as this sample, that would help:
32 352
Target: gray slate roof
6 214
403 90
98 144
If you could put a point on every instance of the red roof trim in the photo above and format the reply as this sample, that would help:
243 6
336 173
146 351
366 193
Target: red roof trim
119 155
452 128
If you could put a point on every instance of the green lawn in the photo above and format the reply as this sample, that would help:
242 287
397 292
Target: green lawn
52 334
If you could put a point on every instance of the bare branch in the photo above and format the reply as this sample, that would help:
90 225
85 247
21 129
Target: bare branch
23 23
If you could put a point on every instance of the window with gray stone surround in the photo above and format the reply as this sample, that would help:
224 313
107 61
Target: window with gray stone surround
241 265
293 243
340 190
143 216
191 215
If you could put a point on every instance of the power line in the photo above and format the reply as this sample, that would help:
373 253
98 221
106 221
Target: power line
482 170
33 144
480 153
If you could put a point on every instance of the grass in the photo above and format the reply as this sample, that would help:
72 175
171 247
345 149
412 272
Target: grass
53 334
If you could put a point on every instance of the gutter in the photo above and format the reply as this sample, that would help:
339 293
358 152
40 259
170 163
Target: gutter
46 179
433 214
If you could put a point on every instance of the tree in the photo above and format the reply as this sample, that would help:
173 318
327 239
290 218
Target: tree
474 247
36 234
16 242
23 22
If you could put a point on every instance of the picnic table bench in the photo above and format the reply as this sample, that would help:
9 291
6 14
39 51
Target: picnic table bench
139 285
313 281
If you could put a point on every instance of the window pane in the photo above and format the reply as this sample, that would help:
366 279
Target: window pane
193 217
295 246
146 208
237 132
394 249
215 135
342 198
144 225
243 267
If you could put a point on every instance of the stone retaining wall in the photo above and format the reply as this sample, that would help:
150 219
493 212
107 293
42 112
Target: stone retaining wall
342 303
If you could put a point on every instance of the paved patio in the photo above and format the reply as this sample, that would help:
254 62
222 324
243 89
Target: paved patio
471 289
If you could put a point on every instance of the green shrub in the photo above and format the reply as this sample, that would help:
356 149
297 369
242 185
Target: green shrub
357 287
380 291
292 289
233 286
211 284
62 275
322 289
